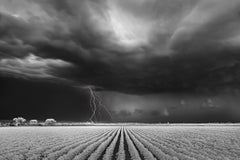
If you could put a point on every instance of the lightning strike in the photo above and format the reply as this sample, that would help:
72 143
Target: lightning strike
95 102
103 106
93 105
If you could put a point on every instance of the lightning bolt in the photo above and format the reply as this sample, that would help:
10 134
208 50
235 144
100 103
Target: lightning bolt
95 102
103 106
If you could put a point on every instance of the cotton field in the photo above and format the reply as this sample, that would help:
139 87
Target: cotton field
120 142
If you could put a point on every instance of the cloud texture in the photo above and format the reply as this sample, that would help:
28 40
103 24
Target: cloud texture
140 47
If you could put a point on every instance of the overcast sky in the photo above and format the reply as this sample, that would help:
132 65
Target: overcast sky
146 60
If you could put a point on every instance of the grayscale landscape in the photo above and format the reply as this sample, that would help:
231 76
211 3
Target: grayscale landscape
120 79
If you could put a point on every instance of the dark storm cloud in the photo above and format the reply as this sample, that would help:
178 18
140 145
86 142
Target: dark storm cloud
127 46
158 108
32 67
208 26
123 114
178 107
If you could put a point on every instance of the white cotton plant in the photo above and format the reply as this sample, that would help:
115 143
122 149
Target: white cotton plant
121 152
92 147
133 151
95 142
110 150
143 150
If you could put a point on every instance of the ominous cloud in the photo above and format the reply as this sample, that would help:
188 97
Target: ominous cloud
173 107
32 67
128 46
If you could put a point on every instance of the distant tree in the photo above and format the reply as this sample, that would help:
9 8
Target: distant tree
33 122
19 121
50 122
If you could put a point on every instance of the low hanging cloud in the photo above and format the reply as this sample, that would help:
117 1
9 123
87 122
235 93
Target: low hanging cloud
127 46
32 67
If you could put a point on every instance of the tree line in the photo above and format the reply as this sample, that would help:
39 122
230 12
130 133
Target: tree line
20 121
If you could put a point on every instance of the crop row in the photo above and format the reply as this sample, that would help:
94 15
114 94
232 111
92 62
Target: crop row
120 143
